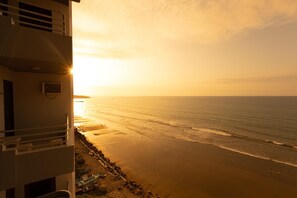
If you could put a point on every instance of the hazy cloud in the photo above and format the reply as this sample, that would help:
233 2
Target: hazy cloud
187 42
202 21
266 79
101 50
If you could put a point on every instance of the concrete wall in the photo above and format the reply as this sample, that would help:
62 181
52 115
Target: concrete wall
70 17
32 47
8 170
20 169
35 166
65 182
62 182
35 109
32 109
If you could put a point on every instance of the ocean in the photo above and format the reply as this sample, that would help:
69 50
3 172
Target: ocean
264 128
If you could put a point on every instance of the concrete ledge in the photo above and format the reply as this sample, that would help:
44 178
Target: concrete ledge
34 166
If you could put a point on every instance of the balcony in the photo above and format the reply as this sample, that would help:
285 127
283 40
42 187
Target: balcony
30 155
35 17
31 139
34 39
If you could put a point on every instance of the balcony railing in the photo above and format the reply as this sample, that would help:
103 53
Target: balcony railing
34 138
35 17
57 194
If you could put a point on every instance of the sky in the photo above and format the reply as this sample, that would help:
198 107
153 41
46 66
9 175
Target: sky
185 47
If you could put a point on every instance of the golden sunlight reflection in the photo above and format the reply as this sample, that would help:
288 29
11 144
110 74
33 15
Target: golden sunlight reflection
79 107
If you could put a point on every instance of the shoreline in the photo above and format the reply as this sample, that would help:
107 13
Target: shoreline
110 168
196 169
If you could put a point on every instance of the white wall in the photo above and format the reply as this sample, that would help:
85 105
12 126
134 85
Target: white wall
66 181
31 107
35 109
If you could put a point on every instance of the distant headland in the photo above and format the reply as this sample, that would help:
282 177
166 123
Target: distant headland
80 97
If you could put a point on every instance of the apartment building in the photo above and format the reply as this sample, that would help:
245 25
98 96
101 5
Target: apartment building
36 95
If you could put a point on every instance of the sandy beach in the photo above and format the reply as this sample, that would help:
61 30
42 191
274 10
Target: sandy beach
194 169
112 181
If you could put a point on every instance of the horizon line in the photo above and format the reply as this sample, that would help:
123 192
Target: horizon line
186 95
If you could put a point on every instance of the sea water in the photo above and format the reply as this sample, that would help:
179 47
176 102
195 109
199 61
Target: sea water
262 127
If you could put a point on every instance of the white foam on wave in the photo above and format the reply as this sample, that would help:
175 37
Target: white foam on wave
278 143
171 123
163 122
281 144
180 137
213 131
286 163
184 138
243 152
258 156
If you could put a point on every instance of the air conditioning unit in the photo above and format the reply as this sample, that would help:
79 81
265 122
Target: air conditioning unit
51 88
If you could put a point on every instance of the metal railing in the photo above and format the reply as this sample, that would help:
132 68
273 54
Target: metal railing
23 140
53 23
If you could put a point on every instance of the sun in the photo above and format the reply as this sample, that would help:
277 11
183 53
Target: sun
95 72
71 71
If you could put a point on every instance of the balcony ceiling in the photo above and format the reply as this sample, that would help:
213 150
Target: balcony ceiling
66 2
33 66
29 50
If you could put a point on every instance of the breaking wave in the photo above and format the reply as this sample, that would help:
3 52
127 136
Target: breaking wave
258 156
213 131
